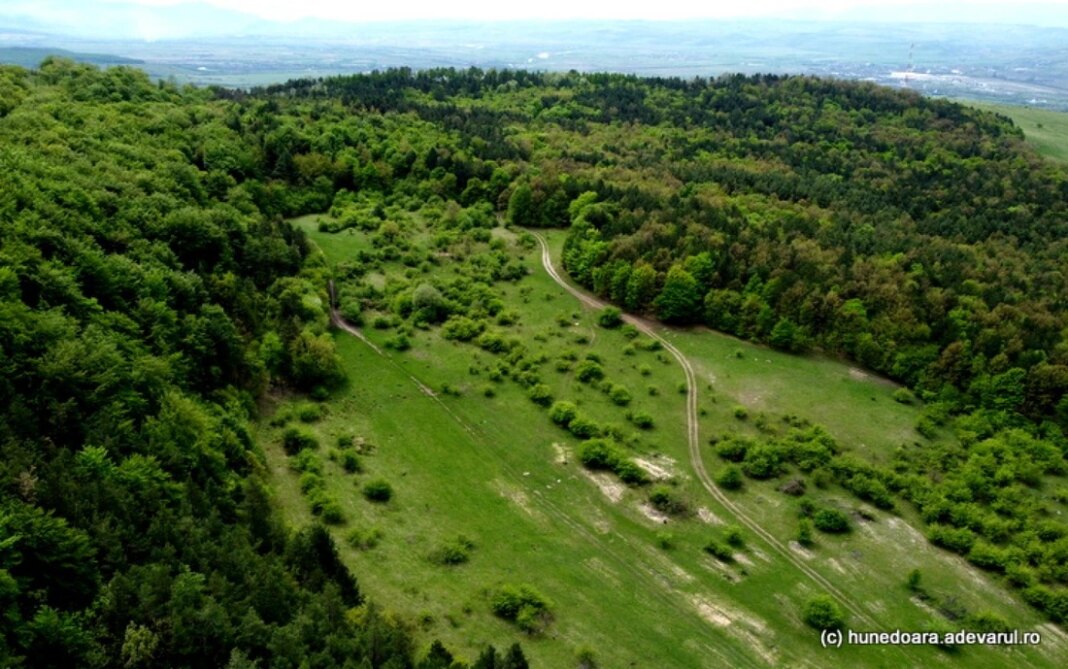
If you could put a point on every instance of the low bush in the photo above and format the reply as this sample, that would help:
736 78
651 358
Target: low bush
822 613
378 490
610 317
831 520
540 394
295 440
668 501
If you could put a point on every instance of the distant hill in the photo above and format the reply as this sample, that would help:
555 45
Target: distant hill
32 56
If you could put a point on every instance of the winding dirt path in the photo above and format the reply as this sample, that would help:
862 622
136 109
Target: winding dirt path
696 462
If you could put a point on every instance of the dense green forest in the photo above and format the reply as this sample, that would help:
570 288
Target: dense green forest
152 295
147 300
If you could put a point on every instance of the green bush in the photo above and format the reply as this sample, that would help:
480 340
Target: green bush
523 605
588 371
309 412
733 536
630 473
462 328
562 413
667 501
822 613
740 412
350 462
903 396
540 394
331 512
642 420
364 539
584 428
729 478
308 462
378 491
719 551
619 395
610 317
629 331
804 532
453 552
598 454
831 520
295 440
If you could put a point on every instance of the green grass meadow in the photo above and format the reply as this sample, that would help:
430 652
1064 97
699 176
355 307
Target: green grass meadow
497 471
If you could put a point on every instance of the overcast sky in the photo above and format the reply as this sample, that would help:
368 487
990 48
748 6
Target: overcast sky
1056 11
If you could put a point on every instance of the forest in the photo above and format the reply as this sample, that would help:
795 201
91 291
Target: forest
152 294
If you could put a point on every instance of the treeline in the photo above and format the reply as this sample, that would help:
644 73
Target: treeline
149 295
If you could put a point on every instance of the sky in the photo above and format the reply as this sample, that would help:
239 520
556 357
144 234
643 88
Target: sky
357 10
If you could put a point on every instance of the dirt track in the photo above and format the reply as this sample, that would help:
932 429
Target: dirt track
694 438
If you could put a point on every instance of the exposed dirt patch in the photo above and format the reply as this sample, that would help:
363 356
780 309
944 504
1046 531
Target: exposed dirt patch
708 517
742 558
608 485
661 470
801 550
711 613
747 628
563 454
652 514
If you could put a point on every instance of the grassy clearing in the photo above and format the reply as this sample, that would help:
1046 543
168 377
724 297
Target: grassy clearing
1046 129
622 581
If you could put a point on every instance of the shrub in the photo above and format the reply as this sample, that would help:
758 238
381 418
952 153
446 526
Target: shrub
453 552
462 328
610 317
719 551
903 396
652 390
645 370
331 512
733 536
588 371
583 428
350 462
307 461
804 532
730 478
668 501
630 473
295 440
562 413
642 420
822 613
619 395
523 605
629 331
598 454
364 539
665 540
740 412
489 391
378 491
493 342
734 448
309 412
310 481
831 520
761 462
399 342
540 394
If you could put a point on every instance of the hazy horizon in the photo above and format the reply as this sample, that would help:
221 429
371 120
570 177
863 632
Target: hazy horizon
181 19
